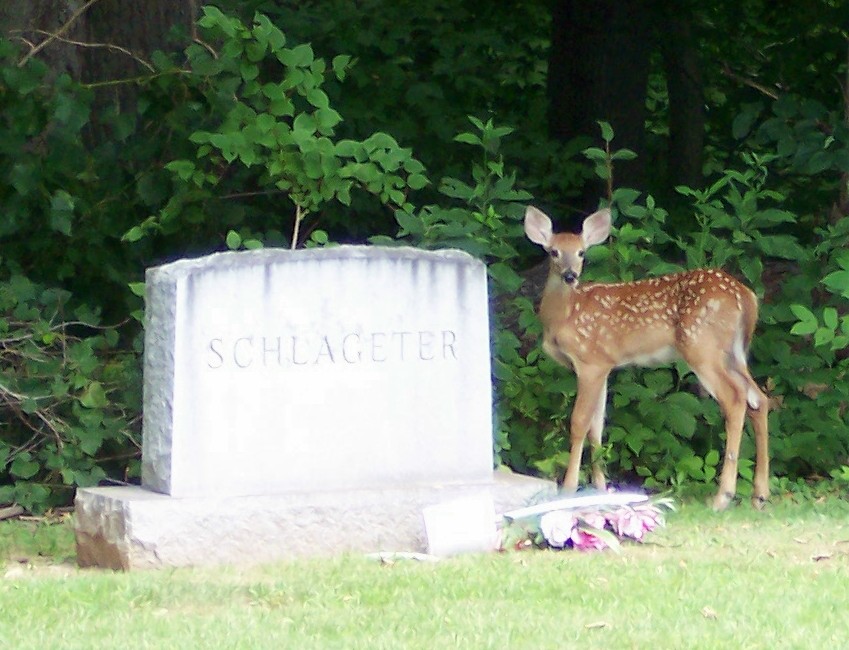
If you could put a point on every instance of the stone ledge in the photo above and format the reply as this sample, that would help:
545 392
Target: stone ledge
133 528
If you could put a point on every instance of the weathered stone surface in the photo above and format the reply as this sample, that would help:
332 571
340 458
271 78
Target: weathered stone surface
132 528
304 403
351 367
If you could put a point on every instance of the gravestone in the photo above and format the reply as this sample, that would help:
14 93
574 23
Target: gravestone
303 402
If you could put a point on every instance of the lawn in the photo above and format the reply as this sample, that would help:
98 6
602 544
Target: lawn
739 579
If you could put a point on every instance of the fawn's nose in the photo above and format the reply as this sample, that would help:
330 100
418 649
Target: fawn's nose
569 276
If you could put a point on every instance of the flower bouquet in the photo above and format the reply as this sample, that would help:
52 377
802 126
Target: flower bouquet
587 523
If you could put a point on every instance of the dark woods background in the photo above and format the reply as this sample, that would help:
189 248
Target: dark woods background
136 133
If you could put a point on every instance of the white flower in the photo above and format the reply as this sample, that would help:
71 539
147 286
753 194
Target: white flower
557 527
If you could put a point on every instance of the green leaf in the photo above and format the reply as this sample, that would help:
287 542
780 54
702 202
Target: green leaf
625 196
61 212
774 216
818 163
691 466
255 52
23 466
94 396
23 178
606 131
469 138
380 140
182 168
304 125
840 342
318 98
456 189
682 423
838 282
634 443
233 240
90 438
505 276
822 336
71 111
340 65
327 119
595 154
500 131
804 327
409 223
319 237
351 149
745 119
829 317
624 154
249 71
266 31
803 313
417 181
784 246
300 56
211 16
137 288
134 234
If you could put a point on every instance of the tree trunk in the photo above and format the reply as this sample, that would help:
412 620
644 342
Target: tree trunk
686 101
29 23
140 28
97 40
598 70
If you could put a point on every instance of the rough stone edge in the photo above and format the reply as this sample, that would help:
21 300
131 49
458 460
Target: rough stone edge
161 284
173 271
158 386
129 528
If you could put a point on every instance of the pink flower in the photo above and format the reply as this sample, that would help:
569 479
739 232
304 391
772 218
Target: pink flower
652 517
634 522
598 529
585 540
628 524
594 519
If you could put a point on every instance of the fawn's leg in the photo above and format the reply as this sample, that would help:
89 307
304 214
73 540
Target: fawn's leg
758 412
596 430
591 383
730 390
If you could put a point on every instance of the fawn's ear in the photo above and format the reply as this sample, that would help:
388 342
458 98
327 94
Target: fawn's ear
596 228
538 227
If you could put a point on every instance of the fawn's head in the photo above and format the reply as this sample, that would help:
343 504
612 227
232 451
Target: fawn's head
565 249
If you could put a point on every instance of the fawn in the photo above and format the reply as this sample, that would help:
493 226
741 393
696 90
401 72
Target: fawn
705 317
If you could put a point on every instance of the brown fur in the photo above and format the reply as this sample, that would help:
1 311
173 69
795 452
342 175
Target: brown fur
705 317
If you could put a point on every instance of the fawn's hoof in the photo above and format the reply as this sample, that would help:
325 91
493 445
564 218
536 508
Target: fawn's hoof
722 500
759 501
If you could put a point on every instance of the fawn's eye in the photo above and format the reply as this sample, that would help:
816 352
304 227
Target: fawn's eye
554 253
580 253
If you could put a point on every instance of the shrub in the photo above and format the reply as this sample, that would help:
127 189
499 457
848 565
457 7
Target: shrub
69 399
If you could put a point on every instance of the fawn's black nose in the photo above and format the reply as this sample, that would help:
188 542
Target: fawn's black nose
569 276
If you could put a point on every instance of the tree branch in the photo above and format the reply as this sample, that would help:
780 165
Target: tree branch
64 28
769 92
108 46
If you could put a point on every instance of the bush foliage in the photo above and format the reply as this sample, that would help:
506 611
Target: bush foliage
250 139
70 397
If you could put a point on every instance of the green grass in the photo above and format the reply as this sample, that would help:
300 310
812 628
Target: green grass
740 579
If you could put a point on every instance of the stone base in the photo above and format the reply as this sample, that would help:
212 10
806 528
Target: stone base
134 528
